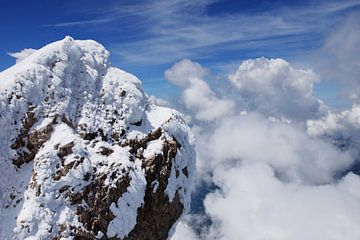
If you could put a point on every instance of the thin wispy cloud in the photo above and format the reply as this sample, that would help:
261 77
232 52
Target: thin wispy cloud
80 23
171 30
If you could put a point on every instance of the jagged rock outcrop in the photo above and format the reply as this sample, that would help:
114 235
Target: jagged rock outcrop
84 153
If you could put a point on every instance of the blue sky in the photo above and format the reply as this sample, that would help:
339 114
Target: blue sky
147 37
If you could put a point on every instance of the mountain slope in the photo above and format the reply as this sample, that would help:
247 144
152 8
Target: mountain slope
84 153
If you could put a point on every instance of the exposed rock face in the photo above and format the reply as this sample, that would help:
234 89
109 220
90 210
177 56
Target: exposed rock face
84 154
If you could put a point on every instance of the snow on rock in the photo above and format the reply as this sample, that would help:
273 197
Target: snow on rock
84 152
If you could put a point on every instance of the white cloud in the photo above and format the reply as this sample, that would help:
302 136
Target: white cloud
271 85
197 95
254 204
274 87
203 101
289 150
80 23
185 72
275 180
345 124
19 56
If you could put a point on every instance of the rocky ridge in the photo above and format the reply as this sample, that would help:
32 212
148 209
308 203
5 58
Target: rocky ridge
84 153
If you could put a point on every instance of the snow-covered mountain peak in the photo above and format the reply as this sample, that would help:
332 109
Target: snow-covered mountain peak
85 155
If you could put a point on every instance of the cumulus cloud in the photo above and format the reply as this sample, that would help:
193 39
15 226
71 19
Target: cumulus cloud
184 72
274 87
197 96
19 56
276 178
254 204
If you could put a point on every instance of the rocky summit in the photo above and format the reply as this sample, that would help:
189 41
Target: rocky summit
84 153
